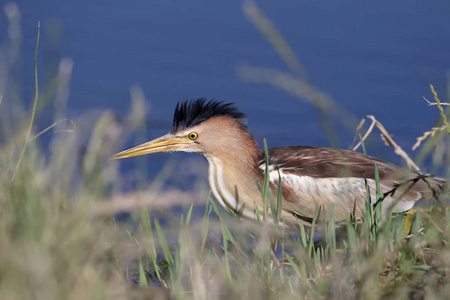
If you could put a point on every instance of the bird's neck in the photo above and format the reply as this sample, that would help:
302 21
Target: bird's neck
242 155
233 174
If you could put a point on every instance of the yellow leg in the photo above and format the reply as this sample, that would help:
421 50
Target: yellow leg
409 216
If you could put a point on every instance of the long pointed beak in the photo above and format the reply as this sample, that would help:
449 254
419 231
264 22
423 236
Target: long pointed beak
166 143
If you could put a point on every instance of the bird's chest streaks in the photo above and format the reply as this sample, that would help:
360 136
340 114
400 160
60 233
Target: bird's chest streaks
222 192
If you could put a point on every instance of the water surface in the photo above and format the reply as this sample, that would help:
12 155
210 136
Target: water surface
371 57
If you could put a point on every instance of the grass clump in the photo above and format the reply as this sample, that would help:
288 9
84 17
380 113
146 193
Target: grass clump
372 259
52 244
54 241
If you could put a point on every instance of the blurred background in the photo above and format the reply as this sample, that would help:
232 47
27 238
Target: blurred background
367 58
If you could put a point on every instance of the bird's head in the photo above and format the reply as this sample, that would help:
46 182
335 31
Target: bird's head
198 126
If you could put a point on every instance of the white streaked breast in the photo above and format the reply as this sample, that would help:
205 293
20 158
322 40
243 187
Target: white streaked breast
218 188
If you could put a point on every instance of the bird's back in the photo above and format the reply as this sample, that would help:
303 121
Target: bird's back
313 176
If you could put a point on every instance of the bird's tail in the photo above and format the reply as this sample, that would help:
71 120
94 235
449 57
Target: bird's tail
436 185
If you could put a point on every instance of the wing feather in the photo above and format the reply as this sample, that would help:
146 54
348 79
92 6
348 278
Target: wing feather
312 175
329 162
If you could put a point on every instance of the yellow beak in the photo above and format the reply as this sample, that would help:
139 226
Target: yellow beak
167 143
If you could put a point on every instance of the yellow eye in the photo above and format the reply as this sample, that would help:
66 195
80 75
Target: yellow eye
193 135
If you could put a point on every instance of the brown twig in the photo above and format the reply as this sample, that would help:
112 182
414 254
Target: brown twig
275 258
386 137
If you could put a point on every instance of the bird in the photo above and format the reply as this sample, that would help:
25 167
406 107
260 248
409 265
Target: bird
333 180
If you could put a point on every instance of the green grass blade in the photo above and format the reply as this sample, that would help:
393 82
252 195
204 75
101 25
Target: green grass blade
258 214
225 231
279 197
145 221
205 223
33 112
441 109
273 208
143 282
266 180
311 235
188 217
165 247
363 146
303 236
331 231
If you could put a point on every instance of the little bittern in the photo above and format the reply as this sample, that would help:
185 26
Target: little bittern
310 176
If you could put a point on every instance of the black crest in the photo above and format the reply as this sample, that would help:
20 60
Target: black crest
193 112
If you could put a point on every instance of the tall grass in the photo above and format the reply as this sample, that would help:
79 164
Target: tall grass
54 243
371 259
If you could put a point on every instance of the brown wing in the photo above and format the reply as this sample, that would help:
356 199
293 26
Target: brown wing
328 162
297 163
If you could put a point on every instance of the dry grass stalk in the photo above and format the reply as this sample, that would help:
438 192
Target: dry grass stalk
434 103
427 134
132 202
386 137
434 130
71 122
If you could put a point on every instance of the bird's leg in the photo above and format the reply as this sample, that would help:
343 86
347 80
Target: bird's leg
409 216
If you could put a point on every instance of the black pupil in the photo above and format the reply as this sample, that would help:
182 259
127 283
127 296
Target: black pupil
192 135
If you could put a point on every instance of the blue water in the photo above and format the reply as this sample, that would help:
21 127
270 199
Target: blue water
372 57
